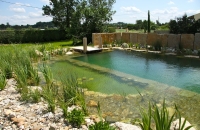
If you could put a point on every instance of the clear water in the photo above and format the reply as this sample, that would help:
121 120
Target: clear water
152 75
171 70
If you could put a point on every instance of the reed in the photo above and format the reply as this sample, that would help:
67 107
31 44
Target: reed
2 81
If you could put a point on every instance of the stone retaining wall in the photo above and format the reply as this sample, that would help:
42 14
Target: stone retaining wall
197 41
187 41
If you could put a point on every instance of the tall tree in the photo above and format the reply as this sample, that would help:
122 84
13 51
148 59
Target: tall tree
149 22
81 17
145 26
61 11
184 25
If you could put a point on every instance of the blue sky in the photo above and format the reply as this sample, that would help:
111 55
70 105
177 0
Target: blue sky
126 10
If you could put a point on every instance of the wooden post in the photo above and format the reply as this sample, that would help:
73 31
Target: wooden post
85 45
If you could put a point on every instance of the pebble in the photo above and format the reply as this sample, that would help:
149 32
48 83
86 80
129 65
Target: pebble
15 114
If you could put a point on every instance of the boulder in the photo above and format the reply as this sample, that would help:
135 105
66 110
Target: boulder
92 103
175 124
123 126
125 45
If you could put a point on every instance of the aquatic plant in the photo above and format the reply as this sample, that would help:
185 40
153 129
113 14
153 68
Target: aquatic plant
50 93
101 126
2 81
160 118
47 74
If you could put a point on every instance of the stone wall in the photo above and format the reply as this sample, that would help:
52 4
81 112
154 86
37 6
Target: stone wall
118 36
142 38
152 38
126 37
133 38
197 41
188 41
96 38
174 40
163 38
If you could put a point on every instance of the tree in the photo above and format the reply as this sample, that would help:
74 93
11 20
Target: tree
149 22
184 25
92 16
145 26
61 11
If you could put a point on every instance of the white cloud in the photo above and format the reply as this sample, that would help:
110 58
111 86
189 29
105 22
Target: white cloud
18 10
130 9
19 17
17 7
190 1
171 3
45 1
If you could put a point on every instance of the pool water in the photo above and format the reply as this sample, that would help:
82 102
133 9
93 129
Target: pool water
174 71
124 81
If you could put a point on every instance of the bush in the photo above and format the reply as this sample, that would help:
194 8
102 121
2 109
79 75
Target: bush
101 126
157 45
28 36
75 117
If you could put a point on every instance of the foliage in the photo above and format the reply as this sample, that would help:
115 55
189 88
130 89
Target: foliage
2 81
145 24
27 36
75 117
47 74
111 29
50 93
199 53
85 17
101 126
148 22
184 25
157 45
160 117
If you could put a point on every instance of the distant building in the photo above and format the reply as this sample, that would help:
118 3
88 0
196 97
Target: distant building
196 17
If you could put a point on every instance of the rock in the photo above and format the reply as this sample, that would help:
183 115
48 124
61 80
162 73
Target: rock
8 112
171 111
52 128
175 124
69 53
110 119
18 120
123 126
92 103
84 127
125 45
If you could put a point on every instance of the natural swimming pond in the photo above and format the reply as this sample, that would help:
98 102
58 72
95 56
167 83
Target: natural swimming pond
171 70
143 73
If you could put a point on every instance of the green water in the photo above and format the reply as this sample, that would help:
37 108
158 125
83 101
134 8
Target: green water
122 107
170 70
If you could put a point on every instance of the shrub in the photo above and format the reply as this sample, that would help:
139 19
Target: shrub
101 126
75 117
157 45
26 36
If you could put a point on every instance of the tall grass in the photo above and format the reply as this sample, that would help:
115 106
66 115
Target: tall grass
2 81
50 93
159 118
47 73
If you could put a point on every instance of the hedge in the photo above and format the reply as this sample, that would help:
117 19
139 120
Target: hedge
31 36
